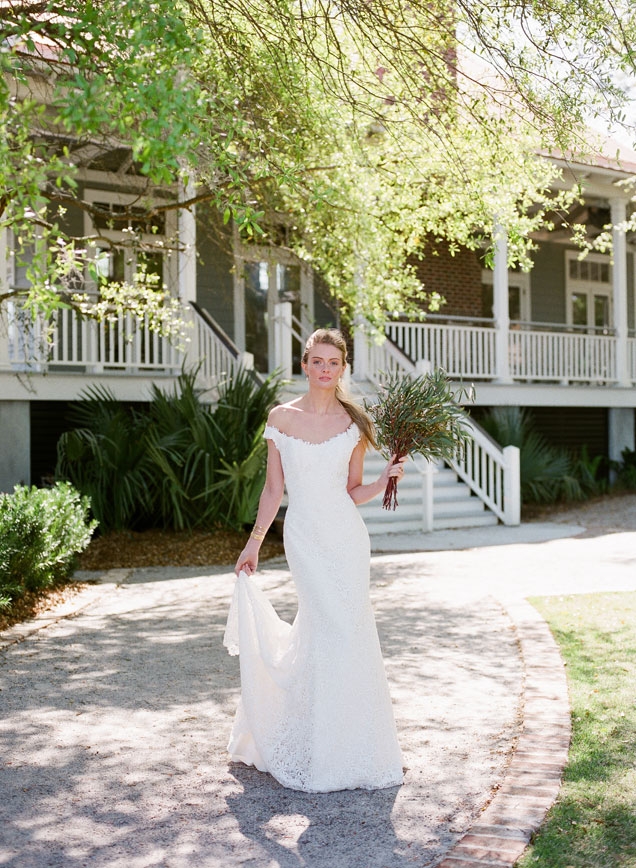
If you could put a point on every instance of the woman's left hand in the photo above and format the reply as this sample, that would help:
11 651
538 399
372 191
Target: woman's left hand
395 468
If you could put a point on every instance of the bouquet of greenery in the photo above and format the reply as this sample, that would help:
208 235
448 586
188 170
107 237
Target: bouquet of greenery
417 415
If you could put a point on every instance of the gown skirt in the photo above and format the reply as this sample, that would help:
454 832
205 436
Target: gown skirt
315 710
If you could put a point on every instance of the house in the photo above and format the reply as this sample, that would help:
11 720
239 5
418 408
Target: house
559 340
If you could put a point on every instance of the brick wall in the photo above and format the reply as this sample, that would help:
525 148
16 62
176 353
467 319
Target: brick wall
457 278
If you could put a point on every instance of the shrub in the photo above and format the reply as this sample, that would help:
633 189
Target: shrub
625 470
547 472
179 463
105 458
240 418
41 531
592 473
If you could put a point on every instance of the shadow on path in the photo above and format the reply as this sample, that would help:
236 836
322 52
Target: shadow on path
114 726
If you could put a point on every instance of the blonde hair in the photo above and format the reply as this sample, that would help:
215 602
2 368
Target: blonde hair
334 338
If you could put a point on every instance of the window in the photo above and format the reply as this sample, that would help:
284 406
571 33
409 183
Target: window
265 283
132 241
589 291
264 277
518 295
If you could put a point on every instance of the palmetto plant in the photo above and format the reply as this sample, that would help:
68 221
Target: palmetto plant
182 445
241 415
547 472
105 458
179 463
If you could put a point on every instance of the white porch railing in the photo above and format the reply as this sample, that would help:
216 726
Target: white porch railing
492 473
539 352
631 359
460 349
562 356
66 341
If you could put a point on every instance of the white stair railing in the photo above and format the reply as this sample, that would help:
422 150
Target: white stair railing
375 362
212 351
492 473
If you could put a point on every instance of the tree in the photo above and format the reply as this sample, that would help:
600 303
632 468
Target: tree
363 127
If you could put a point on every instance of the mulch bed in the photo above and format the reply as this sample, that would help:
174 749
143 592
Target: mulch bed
164 548
33 603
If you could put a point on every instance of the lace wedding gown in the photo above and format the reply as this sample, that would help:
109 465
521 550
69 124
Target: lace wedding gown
315 710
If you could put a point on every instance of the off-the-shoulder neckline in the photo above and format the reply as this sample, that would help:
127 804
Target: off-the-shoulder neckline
309 442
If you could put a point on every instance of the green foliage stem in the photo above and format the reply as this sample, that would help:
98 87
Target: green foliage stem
417 415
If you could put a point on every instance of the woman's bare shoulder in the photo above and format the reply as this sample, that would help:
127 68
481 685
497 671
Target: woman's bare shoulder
282 416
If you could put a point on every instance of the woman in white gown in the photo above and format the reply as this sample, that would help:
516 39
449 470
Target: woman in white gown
315 710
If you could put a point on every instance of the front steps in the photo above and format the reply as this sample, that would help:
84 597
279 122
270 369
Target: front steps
454 505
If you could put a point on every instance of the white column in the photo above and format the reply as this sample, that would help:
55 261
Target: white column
15 445
500 305
621 433
619 286
4 262
428 511
283 339
246 361
187 248
512 486
307 298
360 352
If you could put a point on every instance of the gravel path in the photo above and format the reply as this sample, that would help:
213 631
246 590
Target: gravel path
114 722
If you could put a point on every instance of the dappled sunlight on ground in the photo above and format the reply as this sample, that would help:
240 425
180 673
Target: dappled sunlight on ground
115 725
114 722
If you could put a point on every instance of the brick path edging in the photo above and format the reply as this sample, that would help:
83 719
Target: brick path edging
533 779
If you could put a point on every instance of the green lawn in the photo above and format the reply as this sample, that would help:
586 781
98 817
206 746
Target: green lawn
593 822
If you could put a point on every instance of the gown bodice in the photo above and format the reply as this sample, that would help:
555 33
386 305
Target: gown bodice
315 470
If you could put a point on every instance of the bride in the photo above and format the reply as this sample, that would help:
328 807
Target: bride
315 710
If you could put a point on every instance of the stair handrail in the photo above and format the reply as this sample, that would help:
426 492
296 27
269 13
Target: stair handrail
373 361
491 472
215 351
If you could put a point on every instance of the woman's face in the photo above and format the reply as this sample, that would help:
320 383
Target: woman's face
324 366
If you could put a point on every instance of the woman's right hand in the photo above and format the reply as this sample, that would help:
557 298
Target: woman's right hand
248 559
